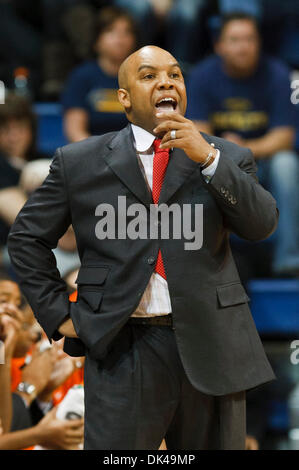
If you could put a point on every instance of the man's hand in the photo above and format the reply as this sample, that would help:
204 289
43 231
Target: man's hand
67 329
60 434
188 138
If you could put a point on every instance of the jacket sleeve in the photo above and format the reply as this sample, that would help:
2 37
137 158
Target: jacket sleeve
248 209
35 233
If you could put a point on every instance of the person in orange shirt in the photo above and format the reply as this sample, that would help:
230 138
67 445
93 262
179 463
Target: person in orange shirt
41 373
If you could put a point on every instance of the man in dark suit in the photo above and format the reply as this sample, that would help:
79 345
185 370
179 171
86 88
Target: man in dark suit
169 340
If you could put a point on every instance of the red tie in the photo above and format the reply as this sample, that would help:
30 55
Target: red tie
161 158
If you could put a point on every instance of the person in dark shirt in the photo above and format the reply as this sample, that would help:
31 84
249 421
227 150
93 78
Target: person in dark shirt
244 96
17 144
90 97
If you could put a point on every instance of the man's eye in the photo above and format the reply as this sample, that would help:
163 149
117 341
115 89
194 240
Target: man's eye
175 75
148 76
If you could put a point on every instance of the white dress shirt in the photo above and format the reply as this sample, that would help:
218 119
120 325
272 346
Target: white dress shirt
156 299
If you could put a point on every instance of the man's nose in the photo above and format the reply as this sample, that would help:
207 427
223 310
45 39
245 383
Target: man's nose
165 83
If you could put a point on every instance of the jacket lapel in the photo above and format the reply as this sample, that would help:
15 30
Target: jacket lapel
121 158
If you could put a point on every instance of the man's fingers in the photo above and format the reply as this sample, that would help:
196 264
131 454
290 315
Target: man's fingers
166 126
167 137
174 143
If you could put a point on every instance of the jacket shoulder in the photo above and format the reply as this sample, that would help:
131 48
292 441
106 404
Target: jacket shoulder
86 146
233 150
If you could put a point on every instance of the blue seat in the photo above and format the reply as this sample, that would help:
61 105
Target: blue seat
50 127
279 419
275 305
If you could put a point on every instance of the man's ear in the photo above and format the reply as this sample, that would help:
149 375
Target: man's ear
124 98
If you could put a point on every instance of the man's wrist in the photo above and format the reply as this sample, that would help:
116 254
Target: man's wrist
67 328
207 157
210 156
208 161
61 328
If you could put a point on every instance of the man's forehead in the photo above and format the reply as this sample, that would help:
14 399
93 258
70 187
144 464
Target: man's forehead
148 56
153 57
148 65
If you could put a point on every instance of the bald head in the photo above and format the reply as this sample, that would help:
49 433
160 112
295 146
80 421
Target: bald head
123 73
132 61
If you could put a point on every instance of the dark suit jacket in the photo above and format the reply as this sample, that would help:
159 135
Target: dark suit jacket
216 336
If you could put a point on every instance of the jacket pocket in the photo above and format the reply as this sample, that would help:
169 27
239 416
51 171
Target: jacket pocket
91 280
92 298
92 275
231 294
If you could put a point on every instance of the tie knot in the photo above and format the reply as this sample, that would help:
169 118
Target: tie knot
157 143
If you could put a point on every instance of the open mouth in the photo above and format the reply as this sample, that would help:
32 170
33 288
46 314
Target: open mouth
167 104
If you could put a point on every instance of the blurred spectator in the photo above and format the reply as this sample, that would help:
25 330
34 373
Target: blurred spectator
14 197
67 258
177 19
17 131
11 201
68 36
10 323
17 145
33 381
90 98
244 96
281 29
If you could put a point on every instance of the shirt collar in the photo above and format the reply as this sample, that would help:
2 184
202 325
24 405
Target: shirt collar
143 139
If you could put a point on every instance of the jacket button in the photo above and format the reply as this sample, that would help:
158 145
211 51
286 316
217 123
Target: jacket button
151 260
222 190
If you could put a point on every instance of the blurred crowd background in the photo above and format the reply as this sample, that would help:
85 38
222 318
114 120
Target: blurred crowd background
59 61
